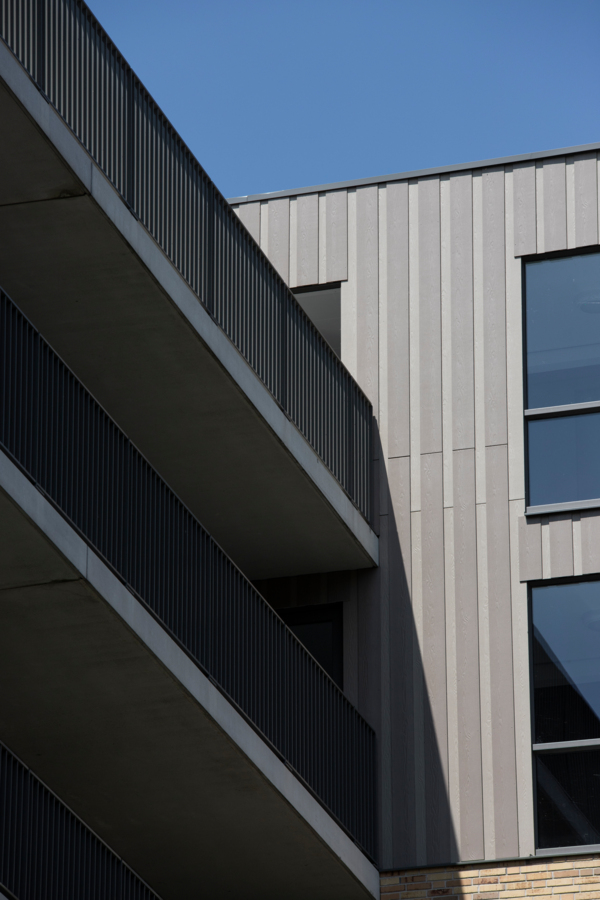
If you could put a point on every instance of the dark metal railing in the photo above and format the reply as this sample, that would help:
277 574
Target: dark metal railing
73 451
48 853
85 78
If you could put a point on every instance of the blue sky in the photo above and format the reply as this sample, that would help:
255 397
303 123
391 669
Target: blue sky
272 95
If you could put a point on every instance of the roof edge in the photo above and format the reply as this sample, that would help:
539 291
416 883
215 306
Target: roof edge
417 173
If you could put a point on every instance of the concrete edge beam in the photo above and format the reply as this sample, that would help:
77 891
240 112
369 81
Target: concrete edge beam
185 300
182 668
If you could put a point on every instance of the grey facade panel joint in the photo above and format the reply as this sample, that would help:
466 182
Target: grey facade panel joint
60 534
417 173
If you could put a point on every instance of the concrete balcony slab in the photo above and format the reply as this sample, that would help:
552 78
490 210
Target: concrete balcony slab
108 710
105 296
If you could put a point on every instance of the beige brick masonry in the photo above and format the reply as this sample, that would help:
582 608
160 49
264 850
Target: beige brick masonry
569 878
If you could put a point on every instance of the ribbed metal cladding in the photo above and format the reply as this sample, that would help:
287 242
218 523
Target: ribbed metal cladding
75 64
73 451
48 853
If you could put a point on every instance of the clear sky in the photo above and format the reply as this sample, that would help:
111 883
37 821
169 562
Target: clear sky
273 94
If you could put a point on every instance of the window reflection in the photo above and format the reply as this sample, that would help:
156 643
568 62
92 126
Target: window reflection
564 459
563 368
566 661
563 330
568 798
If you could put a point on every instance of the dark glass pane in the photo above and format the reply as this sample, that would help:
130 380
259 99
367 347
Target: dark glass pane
321 631
564 459
568 798
566 662
317 637
563 330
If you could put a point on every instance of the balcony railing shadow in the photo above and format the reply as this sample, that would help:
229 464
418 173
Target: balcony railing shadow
392 685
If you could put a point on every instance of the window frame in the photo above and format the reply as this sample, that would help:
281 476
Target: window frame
550 412
552 746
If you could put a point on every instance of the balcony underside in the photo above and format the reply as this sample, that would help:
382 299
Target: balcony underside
137 337
116 730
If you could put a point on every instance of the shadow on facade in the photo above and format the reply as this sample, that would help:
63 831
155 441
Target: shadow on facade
385 676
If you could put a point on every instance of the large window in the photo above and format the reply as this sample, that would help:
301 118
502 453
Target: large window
563 381
566 713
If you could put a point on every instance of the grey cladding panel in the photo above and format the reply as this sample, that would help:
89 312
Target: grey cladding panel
561 546
404 659
530 548
308 239
336 241
397 320
438 823
524 208
586 200
376 478
590 542
399 506
461 288
368 293
501 667
279 236
467 657
385 748
249 214
555 204
494 307
430 323
369 646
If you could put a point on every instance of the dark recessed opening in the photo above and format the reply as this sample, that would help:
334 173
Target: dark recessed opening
320 629
322 304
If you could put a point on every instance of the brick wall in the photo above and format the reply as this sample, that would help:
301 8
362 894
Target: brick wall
567 877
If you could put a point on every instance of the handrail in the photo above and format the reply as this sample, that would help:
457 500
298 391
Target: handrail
47 851
78 68
76 454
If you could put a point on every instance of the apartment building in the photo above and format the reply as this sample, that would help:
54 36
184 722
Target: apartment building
466 301
300 557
